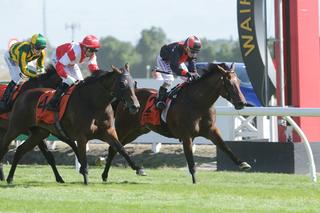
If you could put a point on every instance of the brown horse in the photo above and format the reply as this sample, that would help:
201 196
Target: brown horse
192 115
82 121
49 79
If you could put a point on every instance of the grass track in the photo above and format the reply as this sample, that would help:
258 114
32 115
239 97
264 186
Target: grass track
163 190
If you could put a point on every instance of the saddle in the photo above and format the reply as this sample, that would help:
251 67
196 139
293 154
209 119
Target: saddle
46 116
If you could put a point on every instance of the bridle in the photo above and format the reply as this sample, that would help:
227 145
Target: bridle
122 84
226 85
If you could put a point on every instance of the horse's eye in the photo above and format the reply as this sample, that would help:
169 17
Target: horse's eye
122 84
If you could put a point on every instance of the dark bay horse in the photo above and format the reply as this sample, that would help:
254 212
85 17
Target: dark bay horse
49 79
192 115
82 121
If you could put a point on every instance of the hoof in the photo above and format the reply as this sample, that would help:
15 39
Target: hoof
104 178
60 180
141 172
194 179
244 166
85 179
9 180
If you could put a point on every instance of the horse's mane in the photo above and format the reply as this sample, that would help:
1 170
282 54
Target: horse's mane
94 77
211 70
50 71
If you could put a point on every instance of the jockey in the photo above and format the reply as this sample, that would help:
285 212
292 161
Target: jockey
66 59
19 59
172 59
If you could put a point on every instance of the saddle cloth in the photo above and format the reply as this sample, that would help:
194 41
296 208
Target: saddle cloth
151 115
46 116
3 87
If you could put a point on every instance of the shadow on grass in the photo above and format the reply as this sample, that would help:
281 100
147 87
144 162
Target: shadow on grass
28 184
158 160
147 158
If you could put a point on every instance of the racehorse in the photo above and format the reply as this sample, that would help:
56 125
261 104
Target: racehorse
192 115
49 79
88 115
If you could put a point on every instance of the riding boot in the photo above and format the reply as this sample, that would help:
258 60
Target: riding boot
160 102
5 103
53 104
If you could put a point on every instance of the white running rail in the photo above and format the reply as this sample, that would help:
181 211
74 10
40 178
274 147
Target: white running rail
284 112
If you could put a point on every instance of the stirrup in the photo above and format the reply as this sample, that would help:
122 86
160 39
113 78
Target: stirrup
161 105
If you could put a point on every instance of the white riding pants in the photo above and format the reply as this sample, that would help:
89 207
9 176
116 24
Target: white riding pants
14 70
73 72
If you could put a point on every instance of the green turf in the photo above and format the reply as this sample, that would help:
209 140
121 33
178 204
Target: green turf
163 190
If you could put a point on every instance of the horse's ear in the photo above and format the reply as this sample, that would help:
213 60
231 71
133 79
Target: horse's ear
223 71
127 67
115 69
233 67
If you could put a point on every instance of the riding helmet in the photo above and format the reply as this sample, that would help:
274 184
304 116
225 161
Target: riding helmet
193 43
38 41
91 41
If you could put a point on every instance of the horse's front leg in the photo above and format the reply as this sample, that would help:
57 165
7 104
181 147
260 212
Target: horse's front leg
111 154
112 139
187 148
83 159
215 136
50 159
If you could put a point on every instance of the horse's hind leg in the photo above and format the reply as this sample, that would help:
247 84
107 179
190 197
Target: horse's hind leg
187 148
50 159
8 137
215 136
36 136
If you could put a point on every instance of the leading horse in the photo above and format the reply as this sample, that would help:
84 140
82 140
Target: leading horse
82 120
192 115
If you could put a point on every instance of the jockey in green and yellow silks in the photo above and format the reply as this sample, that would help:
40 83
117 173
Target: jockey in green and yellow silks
20 58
